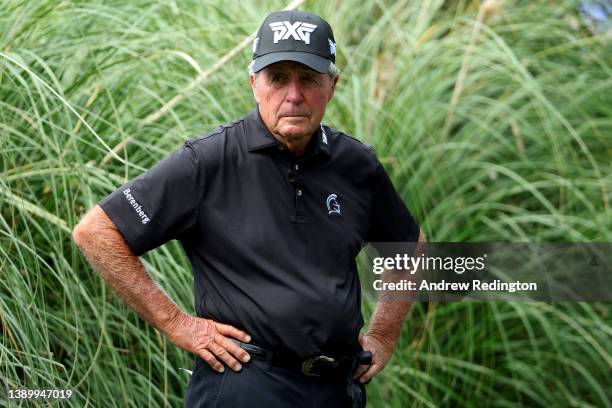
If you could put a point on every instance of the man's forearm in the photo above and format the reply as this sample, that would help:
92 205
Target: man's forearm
387 320
110 256
391 310
108 253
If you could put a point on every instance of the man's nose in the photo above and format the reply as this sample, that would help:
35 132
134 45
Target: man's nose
294 92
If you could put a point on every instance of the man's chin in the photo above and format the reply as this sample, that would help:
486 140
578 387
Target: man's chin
294 121
293 132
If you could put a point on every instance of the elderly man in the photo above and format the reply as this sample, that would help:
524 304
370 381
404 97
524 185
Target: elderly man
272 210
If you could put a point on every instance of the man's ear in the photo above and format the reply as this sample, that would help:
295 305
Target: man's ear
333 87
253 86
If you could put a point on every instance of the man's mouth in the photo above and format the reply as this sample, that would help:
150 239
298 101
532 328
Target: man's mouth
294 115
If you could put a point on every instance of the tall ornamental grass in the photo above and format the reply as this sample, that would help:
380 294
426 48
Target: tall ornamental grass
493 119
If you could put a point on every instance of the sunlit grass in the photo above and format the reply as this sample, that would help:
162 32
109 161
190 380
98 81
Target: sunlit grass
494 123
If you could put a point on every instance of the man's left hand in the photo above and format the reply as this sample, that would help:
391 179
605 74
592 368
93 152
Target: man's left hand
381 350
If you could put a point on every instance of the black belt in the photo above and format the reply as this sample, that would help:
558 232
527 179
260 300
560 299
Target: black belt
315 366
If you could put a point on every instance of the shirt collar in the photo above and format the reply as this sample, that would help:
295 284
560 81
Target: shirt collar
261 138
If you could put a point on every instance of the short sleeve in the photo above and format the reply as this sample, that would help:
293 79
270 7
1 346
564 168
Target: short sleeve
390 220
160 204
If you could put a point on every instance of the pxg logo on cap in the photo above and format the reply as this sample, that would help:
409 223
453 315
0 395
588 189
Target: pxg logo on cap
294 35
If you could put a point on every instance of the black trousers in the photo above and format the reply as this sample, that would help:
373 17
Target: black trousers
259 384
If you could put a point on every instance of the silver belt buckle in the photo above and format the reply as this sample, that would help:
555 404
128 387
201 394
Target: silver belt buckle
308 365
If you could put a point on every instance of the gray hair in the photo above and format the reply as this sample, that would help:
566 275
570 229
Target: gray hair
333 71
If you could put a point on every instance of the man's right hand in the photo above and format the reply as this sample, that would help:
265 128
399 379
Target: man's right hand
209 340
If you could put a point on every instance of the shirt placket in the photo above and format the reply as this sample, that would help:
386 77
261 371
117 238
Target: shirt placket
298 215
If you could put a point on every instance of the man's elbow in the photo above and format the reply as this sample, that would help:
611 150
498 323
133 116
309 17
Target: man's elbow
84 232
81 234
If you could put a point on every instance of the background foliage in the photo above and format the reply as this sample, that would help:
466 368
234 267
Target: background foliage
493 119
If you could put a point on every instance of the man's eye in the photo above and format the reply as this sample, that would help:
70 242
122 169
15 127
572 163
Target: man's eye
309 80
277 78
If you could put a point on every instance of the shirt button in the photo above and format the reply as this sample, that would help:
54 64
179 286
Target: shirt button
297 166
281 147
299 193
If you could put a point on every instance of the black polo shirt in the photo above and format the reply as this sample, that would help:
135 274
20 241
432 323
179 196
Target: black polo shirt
272 240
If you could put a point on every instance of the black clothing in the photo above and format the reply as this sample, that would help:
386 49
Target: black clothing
272 240
261 385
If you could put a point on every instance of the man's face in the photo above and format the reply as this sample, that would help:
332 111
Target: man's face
292 99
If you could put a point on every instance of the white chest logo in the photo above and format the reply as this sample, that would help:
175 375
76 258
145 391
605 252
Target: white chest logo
298 30
333 206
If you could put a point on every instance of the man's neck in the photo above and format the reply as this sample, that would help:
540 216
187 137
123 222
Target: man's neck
297 146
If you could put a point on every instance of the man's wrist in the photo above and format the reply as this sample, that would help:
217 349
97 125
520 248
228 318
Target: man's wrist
172 319
386 337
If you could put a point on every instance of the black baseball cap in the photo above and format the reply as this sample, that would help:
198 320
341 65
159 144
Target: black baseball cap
293 35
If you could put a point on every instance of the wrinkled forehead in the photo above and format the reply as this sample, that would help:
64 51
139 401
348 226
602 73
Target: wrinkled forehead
289 67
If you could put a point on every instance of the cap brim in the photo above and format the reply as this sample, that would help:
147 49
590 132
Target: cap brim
319 64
